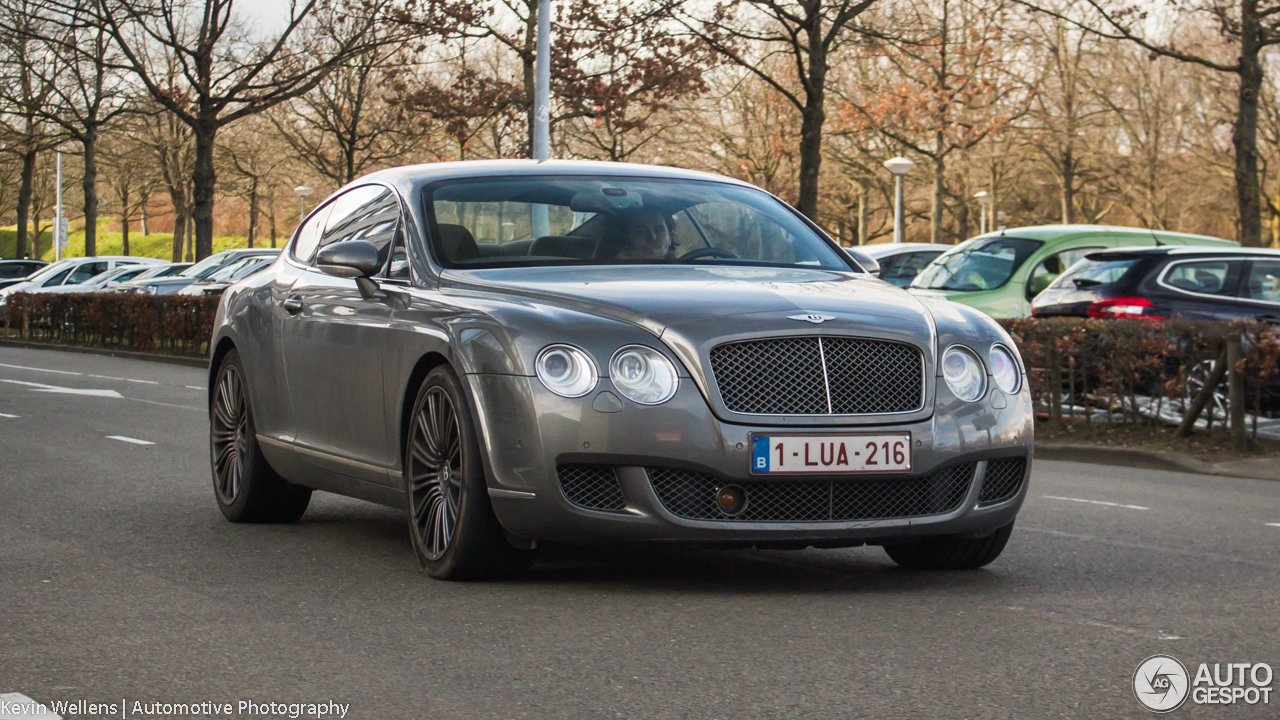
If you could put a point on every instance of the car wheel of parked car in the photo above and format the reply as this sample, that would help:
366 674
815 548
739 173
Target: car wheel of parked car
950 552
247 488
455 533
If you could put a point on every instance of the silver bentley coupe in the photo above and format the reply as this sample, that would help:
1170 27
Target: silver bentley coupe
517 352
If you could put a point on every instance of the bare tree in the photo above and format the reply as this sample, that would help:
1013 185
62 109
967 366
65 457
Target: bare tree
226 72
252 157
130 176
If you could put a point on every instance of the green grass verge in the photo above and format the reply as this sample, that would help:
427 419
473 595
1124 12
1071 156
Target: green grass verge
155 245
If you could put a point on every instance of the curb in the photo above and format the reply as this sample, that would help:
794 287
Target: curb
1167 460
109 352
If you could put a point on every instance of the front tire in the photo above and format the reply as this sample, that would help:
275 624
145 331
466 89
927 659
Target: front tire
248 490
950 552
455 534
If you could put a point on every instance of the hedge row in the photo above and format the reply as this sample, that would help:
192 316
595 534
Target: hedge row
1135 370
173 324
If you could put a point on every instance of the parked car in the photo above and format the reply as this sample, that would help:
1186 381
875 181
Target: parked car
229 273
104 281
1156 283
900 263
1000 273
516 352
164 270
13 272
70 271
170 284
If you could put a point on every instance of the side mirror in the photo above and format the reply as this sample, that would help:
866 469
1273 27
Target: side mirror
349 259
867 262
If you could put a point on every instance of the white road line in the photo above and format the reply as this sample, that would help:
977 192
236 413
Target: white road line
24 367
7 415
106 377
1095 502
135 441
1271 524
22 707
194 387
41 387
144 382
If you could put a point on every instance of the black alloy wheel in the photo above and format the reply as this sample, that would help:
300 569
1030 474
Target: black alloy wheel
245 485
455 533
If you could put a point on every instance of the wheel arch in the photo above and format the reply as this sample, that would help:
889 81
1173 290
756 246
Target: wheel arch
221 347
425 364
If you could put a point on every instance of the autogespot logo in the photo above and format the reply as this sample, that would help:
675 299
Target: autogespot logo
1161 683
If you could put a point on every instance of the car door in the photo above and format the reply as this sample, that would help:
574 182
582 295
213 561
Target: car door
1204 288
333 346
1261 290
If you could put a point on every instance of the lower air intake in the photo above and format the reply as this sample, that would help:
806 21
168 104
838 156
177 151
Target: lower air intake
594 487
1002 480
692 495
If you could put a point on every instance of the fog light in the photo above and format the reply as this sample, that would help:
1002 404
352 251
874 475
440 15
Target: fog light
731 499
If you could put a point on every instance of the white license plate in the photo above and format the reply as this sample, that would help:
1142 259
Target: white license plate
830 453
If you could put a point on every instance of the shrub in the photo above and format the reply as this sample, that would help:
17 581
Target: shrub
176 324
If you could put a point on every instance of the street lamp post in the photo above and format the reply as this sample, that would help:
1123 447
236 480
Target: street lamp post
899 166
984 199
303 191
57 222
539 215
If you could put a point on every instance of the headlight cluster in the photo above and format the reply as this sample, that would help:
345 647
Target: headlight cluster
967 377
643 375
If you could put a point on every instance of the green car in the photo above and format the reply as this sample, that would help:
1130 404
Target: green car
1000 272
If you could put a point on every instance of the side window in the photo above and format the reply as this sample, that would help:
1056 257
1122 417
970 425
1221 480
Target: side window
13 270
1264 281
309 236
1051 267
57 279
1204 277
366 213
84 271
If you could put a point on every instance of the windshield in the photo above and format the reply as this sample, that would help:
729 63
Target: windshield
1092 272
606 221
49 271
226 271
155 271
978 264
206 266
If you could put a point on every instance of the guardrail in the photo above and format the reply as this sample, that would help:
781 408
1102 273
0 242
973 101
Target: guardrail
169 324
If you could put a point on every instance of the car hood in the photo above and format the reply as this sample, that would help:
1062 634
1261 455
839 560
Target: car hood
658 297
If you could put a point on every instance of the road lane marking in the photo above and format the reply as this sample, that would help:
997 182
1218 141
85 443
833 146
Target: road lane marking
7 415
135 441
41 387
1154 548
144 382
194 387
1095 502
1271 524
26 367
106 377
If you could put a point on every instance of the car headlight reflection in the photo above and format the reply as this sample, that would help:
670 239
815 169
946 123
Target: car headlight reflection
963 373
643 375
566 371
1004 370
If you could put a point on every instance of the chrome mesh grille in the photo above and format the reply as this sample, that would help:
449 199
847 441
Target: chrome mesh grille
692 495
818 376
594 487
1002 480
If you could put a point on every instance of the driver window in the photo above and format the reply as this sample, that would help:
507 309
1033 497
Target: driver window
1051 267
86 271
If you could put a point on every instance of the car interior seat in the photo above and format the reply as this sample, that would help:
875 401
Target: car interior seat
458 242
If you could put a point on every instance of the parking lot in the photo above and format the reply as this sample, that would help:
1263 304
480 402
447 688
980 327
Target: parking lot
123 581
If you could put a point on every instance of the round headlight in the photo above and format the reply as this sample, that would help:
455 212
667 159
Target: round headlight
643 375
1004 370
963 373
566 371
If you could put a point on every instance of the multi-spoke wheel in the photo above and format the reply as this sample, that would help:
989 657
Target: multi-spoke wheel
455 533
245 485
435 472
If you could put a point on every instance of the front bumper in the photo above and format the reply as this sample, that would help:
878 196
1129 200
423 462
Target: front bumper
528 432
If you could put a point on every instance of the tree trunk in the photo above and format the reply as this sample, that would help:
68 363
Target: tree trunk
179 222
1068 186
271 218
812 118
191 240
24 203
1244 136
124 220
146 198
864 233
253 210
527 68
939 178
90 185
204 179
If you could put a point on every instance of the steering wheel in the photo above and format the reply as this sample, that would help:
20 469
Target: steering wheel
709 252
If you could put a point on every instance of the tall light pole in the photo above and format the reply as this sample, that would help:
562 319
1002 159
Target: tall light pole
57 221
984 199
538 215
899 166
303 191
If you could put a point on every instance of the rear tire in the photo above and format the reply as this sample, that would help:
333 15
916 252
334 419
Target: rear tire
248 490
455 533
950 552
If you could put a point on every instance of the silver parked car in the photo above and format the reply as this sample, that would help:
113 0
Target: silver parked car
516 352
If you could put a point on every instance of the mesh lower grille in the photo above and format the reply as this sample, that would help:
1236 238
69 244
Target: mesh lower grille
594 487
692 495
1002 480
818 376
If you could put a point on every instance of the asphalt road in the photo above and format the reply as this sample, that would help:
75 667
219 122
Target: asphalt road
119 579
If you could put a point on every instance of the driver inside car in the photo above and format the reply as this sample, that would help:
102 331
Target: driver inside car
642 234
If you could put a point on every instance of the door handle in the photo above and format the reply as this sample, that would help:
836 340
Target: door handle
293 305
